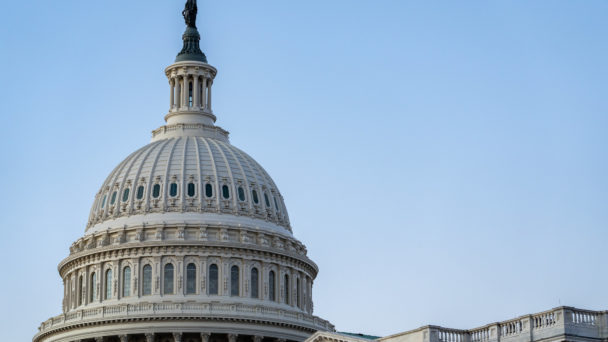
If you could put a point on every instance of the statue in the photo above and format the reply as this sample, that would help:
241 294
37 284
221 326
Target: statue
189 13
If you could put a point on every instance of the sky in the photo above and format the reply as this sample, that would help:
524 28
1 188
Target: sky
445 162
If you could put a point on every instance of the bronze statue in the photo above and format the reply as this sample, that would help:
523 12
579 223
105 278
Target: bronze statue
189 13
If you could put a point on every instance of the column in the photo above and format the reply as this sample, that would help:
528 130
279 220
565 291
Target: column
185 92
177 337
99 339
205 337
123 338
209 96
232 337
257 338
195 92
204 93
149 337
172 94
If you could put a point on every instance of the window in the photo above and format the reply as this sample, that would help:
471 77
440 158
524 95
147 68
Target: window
93 287
298 292
271 286
191 279
225 192
173 189
108 284
286 284
156 190
140 192
126 281
190 94
168 279
147 280
254 283
125 195
213 279
234 281
191 189
276 206
254 194
113 198
208 190
103 202
241 194
266 200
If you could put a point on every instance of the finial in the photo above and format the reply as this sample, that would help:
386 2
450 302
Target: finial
191 50
189 13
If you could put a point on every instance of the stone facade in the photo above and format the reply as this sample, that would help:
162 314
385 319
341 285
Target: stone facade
559 324
188 240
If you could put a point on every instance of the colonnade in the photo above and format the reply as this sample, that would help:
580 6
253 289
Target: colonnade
190 92
183 337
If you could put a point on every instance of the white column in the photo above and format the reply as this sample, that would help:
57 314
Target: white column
178 92
172 94
204 93
209 96
195 92
185 92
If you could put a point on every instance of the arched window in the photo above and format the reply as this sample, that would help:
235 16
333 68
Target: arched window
80 290
108 284
225 191
208 190
276 206
93 287
191 189
140 192
191 279
125 195
190 94
103 203
254 194
234 281
173 189
168 279
266 200
286 285
147 280
126 281
271 286
156 190
298 292
241 193
254 283
113 198
213 279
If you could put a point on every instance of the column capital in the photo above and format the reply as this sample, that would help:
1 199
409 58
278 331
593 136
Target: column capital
177 336
123 338
99 339
205 336
149 337
232 337
257 338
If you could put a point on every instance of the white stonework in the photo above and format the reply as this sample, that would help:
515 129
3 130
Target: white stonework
559 324
188 240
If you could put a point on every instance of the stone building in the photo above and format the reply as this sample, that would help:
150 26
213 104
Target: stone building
559 324
188 238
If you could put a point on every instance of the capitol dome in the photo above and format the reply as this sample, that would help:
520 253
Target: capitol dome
189 179
188 238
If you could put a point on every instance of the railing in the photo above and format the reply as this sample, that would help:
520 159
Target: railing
186 309
451 335
561 320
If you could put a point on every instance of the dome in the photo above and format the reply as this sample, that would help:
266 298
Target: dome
188 238
189 179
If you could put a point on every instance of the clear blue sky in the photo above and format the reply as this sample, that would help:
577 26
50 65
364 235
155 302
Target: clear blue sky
444 162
